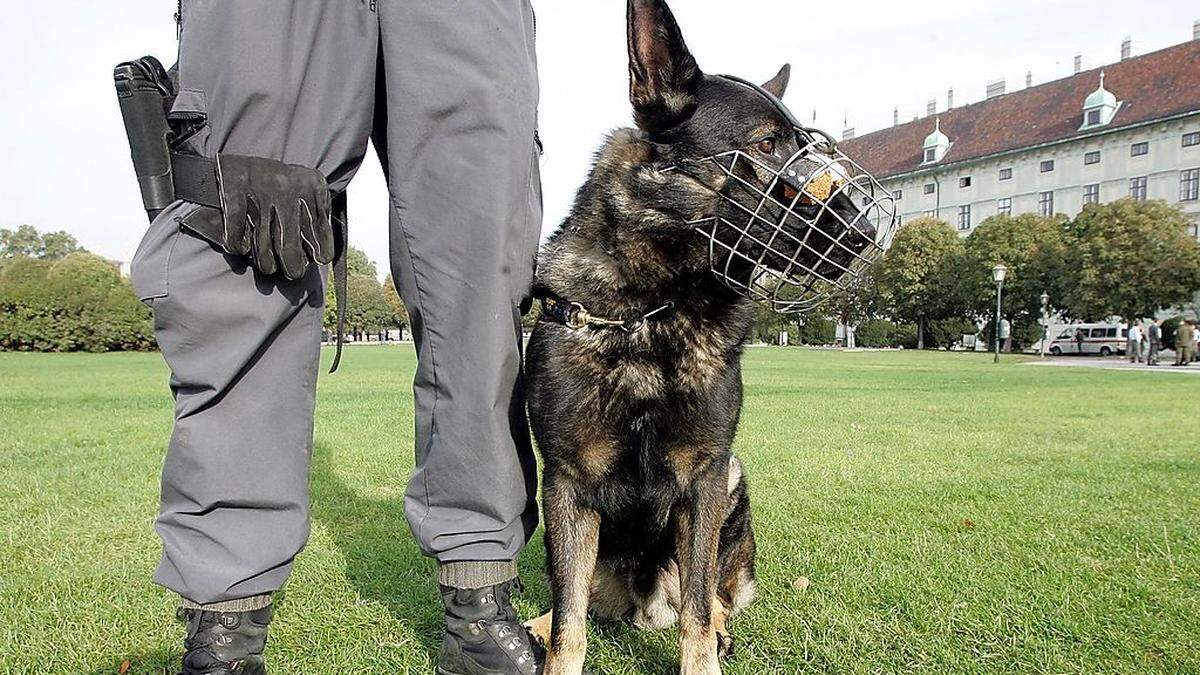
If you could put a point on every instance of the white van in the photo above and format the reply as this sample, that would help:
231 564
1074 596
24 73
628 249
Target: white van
1104 339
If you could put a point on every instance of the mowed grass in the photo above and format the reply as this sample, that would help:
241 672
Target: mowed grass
915 512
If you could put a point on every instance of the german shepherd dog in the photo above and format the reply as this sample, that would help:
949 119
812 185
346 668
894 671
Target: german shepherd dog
634 395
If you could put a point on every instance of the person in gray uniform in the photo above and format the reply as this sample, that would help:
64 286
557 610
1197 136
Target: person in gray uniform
275 104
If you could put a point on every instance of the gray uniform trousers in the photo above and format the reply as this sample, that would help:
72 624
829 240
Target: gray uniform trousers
448 90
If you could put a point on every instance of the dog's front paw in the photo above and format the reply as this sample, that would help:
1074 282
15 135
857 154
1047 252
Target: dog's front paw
725 645
540 628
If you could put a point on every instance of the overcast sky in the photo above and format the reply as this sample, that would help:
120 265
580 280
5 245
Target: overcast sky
66 164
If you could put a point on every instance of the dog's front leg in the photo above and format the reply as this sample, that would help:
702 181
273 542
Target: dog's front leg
698 535
572 536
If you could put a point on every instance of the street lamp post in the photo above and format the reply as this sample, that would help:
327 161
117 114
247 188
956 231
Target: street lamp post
1045 321
998 274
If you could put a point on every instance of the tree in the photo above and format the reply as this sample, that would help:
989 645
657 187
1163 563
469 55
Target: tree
1034 248
368 308
1129 259
25 241
768 324
918 278
860 302
22 242
399 316
57 245
357 264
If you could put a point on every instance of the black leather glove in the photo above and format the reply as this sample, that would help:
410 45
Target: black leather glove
277 214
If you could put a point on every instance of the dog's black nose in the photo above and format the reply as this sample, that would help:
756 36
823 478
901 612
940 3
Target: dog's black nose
857 229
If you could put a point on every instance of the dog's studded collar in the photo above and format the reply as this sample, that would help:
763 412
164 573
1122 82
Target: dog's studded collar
574 315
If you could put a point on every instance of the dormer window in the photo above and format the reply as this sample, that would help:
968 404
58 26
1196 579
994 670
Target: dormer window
936 144
1099 107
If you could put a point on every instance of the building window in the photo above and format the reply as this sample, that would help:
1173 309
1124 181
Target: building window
965 181
1006 173
1093 117
1046 166
1139 149
898 194
1046 203
1189 185
929 188
1191 138
930 154
1004 206
1091 193
1092 157
964 217
1137 188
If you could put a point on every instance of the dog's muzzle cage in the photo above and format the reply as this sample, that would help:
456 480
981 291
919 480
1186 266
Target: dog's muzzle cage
802 235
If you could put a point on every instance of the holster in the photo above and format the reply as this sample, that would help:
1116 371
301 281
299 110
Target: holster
279 215
146 92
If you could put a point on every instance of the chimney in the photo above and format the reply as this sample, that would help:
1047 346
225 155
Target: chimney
1028 79
896 116
950 98
1126 48
847 133
1078 63
1196 29
995 88
931 107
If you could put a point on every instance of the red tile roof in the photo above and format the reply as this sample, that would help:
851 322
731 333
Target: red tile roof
1153 86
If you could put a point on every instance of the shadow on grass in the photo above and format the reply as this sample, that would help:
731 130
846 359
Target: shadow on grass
383 562
385 566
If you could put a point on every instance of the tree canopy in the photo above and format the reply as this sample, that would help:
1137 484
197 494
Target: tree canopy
25 241
1129 258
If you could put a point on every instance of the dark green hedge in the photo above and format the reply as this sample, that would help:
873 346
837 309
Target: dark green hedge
78 303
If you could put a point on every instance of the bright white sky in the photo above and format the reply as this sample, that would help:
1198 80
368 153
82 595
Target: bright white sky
66 165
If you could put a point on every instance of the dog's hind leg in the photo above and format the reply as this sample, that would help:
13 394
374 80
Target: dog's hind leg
572 538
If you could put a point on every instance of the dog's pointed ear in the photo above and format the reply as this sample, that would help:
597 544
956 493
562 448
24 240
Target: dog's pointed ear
663 75
778 84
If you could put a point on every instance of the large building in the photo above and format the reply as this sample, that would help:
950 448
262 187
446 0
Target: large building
1128 129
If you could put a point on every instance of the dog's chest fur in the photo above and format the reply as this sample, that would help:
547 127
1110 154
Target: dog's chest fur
635 415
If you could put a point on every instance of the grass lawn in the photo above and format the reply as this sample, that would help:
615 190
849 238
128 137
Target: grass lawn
915 512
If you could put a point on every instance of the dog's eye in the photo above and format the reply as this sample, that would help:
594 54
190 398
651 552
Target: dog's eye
767 146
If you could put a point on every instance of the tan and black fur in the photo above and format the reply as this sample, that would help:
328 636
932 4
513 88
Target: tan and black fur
646 509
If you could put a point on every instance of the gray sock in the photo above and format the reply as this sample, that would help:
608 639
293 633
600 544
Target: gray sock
472 574
250 604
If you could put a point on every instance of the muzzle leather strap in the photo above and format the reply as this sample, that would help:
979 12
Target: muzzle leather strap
574 315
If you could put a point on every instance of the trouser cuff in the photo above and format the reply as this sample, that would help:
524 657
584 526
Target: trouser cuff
472 574
250 604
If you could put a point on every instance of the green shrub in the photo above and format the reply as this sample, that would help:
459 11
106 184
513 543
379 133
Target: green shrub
78 303
905 335
876 334
817 331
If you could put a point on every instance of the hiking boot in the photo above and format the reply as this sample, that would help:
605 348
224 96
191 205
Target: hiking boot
484 636
225 643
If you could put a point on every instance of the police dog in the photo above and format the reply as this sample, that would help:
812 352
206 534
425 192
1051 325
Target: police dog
646 508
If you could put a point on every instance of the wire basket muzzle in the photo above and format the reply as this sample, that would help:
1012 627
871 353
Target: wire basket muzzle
794 236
